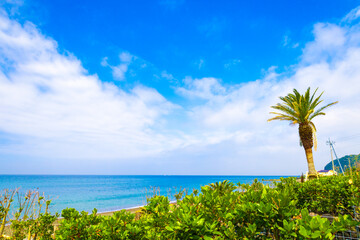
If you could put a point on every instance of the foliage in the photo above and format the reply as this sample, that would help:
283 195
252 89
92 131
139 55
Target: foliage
39 228
30 220
6 199
223 210
298 108
77 225
302 109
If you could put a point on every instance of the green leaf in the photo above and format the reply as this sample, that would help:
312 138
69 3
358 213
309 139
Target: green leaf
304 232
169 228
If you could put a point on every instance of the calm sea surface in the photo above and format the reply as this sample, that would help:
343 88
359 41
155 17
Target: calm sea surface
107 193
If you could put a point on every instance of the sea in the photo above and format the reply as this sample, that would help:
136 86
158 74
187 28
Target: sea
109 192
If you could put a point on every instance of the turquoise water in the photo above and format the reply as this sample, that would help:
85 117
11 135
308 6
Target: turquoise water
107 193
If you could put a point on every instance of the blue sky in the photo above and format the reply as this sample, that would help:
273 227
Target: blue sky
231 40
171 86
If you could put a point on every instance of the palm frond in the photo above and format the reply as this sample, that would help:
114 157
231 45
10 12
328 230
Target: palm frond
315 115
308 113
316 101
319 111
299 108
287 101
285 109
281 118
312 97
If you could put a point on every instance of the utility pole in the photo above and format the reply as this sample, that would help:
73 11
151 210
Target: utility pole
332 158
331 143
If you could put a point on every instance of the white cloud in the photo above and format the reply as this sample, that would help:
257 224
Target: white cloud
53 107
205 88
330 41
352 15
12 5
120 70
331 62
287 42
104 62
126 57
58 109
167 75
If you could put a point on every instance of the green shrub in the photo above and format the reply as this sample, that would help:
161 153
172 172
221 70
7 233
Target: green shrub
220 210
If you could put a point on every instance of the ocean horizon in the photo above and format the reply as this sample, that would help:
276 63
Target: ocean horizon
113 192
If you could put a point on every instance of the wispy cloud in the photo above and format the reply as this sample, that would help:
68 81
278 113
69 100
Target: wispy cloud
287 42
205 88
331 41
239 112
352 15
120 70
50 106
232 63
199 63
12 5
167 75
57 109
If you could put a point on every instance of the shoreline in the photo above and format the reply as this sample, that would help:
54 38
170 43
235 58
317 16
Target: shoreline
130 209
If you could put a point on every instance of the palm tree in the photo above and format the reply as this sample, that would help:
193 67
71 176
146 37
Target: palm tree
300 109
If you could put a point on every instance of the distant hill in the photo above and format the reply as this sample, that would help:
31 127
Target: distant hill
344 162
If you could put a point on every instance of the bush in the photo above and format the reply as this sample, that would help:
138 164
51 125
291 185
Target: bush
221 211
224 211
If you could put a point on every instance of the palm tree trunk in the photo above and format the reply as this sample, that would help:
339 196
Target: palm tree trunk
306 137
310 161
